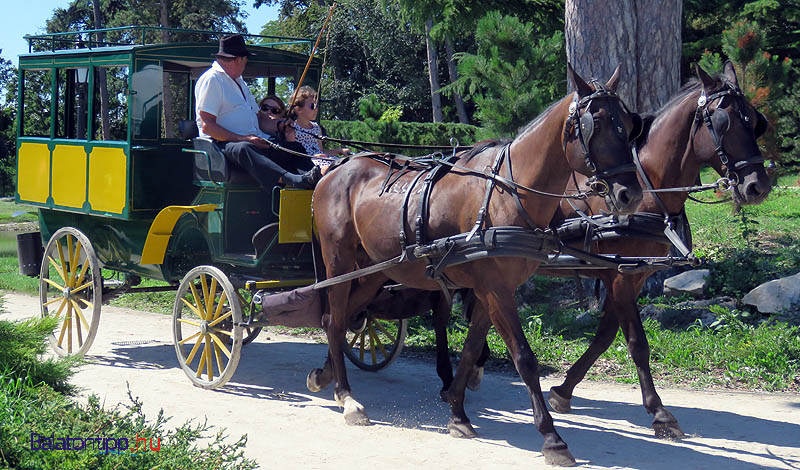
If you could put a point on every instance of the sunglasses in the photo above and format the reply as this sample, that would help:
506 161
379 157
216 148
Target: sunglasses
311 105
269 109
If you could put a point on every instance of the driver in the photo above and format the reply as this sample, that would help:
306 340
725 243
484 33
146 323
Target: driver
227 113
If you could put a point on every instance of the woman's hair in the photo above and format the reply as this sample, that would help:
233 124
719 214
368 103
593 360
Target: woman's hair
274 98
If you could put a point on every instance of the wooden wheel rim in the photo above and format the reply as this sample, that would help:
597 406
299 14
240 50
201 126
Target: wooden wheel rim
70 289
207 337
377 344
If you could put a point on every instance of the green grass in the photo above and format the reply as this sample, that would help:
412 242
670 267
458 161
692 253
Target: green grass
12 212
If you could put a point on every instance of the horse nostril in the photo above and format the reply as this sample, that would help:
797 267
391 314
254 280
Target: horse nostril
753 190
623 197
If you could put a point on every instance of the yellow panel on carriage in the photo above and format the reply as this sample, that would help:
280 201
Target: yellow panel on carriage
69 175
294 224
33 172
107 179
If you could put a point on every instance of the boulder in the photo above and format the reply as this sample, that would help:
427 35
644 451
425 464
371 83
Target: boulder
685 313
690 282
779 295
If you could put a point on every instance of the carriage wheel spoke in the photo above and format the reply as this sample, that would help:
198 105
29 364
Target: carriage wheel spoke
198 307
71 267
219 359
79 314
193 308
74 263
88 284
209 362
220 345
196 346
64 325
62 260
376 340
69 327
202 359
212 294
54 284
84 270
372 341
361 346
189 337
219 319
59 270
392 339
61 307
78 328
353 341
50 302
190 322
204 287
222 299
221 331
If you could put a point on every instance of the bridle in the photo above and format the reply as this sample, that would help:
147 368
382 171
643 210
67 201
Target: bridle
583 125
718 122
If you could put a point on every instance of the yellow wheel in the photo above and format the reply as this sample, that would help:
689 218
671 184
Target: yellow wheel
372 343
205 325
70 289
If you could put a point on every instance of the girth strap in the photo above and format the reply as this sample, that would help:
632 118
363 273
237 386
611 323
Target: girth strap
490 184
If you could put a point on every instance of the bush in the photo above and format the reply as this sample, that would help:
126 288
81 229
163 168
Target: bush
396 132
31 403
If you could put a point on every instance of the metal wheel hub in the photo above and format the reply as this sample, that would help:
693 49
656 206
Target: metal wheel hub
204 327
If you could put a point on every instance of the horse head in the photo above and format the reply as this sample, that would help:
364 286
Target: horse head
598 135
729 129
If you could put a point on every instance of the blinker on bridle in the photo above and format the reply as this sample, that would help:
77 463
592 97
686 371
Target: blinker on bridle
584 126
718 124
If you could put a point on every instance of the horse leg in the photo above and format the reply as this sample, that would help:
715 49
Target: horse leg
503 312
444 368
318 379
664 424
476 375
561 395
459 425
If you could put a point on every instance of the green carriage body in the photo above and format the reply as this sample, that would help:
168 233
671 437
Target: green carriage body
113 181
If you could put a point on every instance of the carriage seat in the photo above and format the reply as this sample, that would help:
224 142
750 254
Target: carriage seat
214 168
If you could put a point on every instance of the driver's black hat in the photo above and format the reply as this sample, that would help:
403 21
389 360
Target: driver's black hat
232 46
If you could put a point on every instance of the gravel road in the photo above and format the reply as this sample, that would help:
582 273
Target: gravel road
288 427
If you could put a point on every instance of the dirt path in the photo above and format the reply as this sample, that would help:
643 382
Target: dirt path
289 427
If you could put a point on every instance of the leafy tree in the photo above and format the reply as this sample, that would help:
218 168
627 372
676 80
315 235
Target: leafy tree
8 111
511 78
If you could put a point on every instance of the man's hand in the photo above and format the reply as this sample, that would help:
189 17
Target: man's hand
256 140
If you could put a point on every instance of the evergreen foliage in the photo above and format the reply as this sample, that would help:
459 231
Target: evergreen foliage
511 78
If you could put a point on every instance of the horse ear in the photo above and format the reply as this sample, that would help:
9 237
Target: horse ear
708 82
730 73
614 80
761 124
580 84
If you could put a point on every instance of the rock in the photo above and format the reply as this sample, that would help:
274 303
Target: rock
691 282
685 313
779 295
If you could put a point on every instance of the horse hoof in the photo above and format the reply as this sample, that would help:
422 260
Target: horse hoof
475 379
461 430
313 384
558 403
354 413
669 431
558 457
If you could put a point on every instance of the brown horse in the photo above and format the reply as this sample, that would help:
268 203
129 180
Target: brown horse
676 143
355 218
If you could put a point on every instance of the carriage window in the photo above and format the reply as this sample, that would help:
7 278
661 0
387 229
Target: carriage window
110 108
72 103
176 103
37 103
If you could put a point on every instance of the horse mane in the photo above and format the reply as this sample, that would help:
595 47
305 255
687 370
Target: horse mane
479 147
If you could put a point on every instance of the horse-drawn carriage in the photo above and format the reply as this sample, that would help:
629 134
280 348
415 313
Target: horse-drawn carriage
124 193
154 204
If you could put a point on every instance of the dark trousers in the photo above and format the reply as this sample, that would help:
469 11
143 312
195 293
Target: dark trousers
264 164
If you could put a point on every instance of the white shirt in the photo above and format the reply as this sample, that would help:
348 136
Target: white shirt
235 108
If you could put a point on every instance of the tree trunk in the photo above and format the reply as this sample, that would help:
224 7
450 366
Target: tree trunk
102 82
433 75
642 35
451 67
169 128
